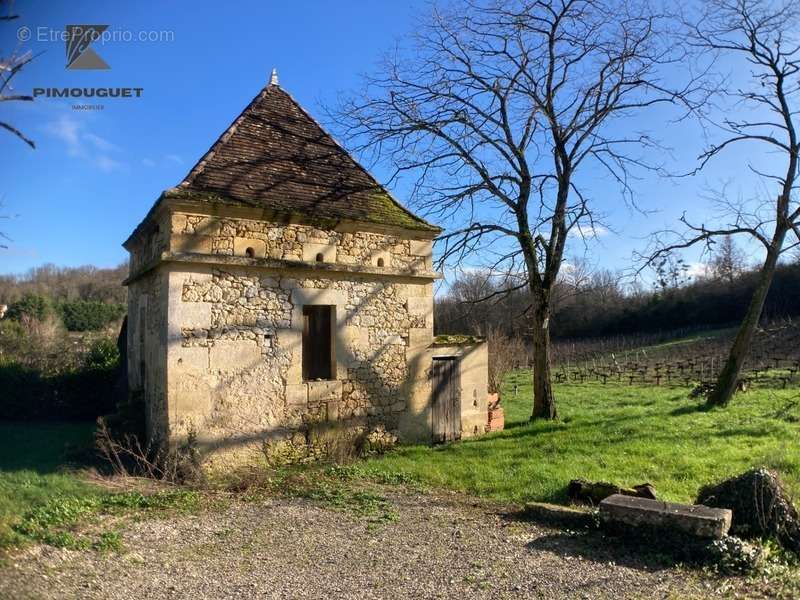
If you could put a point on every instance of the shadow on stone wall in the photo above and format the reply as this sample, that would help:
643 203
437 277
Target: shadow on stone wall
320 434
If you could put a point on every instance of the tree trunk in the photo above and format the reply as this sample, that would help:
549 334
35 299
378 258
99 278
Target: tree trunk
544 404
729 376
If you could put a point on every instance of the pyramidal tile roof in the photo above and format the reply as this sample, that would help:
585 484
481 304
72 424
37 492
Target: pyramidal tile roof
276 156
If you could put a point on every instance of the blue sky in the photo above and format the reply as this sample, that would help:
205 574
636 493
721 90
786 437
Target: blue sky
94 175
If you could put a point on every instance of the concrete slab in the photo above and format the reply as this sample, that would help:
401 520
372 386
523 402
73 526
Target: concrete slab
420 337
320 392
188 359
421 307
621 512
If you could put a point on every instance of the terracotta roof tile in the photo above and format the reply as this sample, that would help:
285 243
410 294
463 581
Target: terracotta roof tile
276 156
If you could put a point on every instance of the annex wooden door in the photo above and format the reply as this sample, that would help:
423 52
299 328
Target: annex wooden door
446 400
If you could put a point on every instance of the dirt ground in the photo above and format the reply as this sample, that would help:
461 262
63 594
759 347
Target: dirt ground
437 546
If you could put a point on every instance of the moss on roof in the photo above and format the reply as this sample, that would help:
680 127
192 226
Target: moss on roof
276 156
388 213
457 340
392 213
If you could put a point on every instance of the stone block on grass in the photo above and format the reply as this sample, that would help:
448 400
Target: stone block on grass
637 516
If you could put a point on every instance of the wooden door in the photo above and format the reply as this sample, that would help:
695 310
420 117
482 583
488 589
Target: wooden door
446 400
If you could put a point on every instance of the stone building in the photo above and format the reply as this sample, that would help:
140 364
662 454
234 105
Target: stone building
279 292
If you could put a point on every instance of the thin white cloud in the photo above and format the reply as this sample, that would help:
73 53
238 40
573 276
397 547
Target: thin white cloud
107 164
84 144
101 144
590 231
165 159
697 270
67 130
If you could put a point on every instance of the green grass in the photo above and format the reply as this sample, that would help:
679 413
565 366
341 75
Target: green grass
42 447
338 487
42 500
61 521
625 434
619 433
31 458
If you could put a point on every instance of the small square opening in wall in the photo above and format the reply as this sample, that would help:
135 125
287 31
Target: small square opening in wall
319 358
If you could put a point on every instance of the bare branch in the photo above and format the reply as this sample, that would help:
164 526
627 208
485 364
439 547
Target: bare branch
18 133
497 111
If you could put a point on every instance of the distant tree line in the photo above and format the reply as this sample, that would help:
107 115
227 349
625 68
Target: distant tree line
67 283
83 298
599 305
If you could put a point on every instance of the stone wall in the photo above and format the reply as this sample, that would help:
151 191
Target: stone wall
225 336
147 349
234 375
152 241
233 237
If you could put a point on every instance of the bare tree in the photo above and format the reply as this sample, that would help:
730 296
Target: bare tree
495 113
727 262
671 272
3 236
10 66
763 34
505 354
470 289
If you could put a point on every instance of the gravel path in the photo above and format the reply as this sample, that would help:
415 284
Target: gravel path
440 546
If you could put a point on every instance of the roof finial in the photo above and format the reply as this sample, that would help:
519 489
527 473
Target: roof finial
273 79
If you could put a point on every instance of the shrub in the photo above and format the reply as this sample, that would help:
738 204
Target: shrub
24 391
88 315
127 456
84 391
33 306
103 354
34 342
13 338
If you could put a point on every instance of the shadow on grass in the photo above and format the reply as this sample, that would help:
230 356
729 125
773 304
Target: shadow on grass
45 447
539 428
689 409
515 425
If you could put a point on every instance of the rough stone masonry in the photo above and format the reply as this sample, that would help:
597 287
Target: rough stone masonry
279 294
